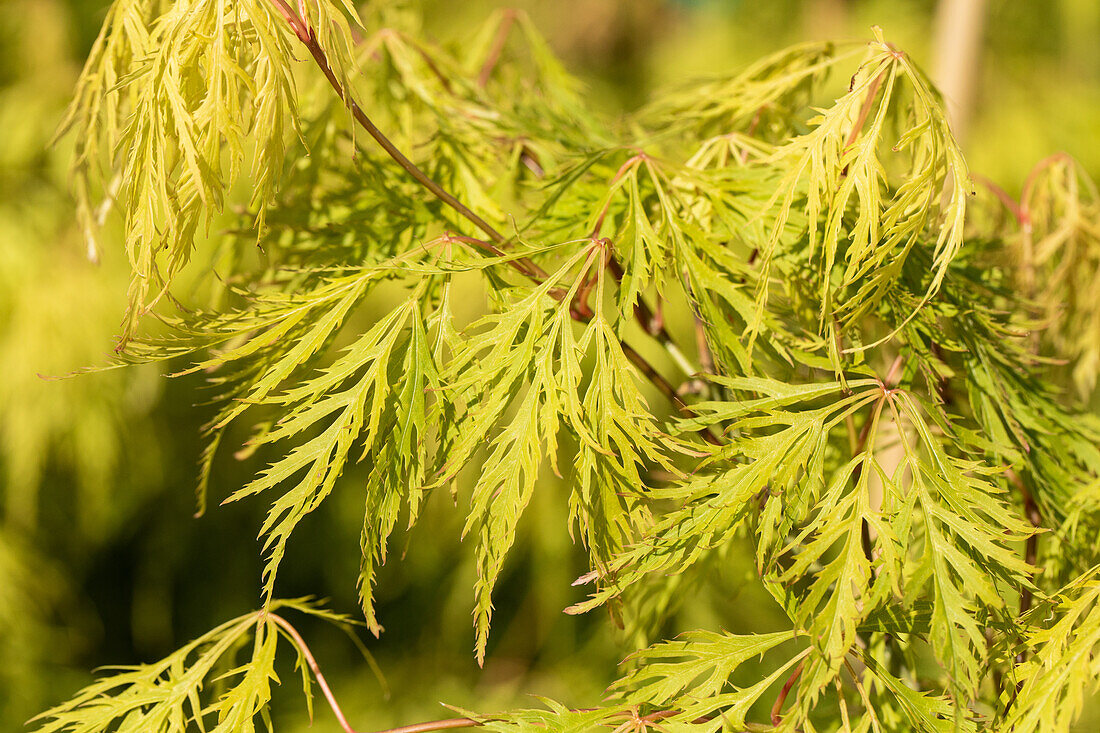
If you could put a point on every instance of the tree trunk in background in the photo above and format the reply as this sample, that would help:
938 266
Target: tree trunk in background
826 19
956 49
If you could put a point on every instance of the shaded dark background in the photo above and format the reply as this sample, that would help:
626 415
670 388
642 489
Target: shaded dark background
101 561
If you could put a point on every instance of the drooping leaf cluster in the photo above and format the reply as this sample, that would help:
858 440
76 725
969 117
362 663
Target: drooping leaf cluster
200 686
747 317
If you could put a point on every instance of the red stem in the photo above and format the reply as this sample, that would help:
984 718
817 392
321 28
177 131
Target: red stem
431 725
314 48
865 110
300 643
1010 203
1034 174
894 373
777 708
1031 546
523 264
497 49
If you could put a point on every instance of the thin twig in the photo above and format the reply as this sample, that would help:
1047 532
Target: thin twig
1031 546
666 389
867 537
509 17
525 265
384 142
293 20
447 724
864 110
777 708
1003 196
300 643
430 63
1043 164
893 374
522 264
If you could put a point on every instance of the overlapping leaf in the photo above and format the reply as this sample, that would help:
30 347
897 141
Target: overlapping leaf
371 400
520 373
1059 252
785 459
900 707
1066 662
876 506
765 99
691 678
619 440
863 218
171 99
967 532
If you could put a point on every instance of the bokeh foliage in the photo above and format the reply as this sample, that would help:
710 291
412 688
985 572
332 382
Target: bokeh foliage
98 469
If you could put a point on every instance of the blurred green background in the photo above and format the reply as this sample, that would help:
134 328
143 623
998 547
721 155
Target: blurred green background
101 561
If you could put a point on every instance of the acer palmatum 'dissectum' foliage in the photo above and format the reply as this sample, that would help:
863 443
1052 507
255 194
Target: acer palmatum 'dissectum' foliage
855 374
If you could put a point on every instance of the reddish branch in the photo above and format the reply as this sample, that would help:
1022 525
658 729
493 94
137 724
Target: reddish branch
307 36
781 700
1019 210
865 110
522 264
497 48
447 724
311 44
640 722
1042 165
1003 196
1031 546
303 648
